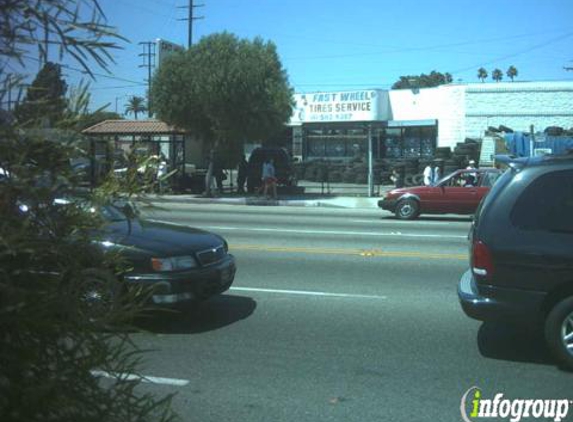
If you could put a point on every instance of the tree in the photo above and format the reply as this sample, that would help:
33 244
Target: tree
511 72
45 100
135 105
497 75
423 81
224 89
482 74
49 344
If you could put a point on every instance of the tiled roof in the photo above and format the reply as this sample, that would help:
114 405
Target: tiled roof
130 127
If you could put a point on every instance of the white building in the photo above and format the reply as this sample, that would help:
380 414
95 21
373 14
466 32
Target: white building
413 122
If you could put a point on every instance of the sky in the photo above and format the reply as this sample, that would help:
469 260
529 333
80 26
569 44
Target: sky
336 45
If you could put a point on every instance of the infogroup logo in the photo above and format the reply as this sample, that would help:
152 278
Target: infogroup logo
474 407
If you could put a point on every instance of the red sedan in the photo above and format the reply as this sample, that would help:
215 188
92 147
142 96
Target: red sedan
457 193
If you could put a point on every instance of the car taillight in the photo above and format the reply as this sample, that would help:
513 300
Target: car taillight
482 262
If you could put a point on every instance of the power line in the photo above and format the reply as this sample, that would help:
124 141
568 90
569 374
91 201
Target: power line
148 62
190 18
518 53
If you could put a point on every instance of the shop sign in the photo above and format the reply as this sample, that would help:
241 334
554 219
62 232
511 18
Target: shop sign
165 48
347 106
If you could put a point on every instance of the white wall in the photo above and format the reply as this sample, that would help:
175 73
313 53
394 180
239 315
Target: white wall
467 110
518 105
444 103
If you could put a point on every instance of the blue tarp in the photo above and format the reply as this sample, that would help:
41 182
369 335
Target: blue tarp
518 143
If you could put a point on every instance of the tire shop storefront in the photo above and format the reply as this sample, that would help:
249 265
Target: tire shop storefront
354 133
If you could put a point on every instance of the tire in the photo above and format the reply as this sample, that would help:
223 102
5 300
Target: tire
407 209
98 292
559 325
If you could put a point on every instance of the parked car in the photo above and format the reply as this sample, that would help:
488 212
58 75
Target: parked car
179 264
457 193
521 252
283 167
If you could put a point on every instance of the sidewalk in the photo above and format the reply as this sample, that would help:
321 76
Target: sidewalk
340 196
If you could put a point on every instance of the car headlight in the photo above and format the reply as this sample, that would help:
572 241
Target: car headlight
174 263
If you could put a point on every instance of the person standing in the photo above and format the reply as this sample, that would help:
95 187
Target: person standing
242 170
428 175
436 173
218 172
397 178
161 172
269 178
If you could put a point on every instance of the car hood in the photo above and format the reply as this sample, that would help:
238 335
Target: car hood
159 239
413 189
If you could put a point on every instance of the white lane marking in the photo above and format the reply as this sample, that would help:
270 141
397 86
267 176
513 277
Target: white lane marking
326 232
307 293
142 378
405 223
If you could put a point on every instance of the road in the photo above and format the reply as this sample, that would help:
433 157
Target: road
338 315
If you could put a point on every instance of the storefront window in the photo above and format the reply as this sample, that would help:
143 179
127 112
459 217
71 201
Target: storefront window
335 147
315 147
411 142
393 143
427 141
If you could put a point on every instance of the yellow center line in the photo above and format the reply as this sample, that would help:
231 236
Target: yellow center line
355 252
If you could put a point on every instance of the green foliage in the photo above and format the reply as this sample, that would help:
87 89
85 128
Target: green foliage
423 80
63 24
45 100
482 74
50 342
135 105
224 89
497 75
511 72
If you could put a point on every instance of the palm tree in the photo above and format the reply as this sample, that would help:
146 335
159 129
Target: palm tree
497 75
135 105
482 74
511 72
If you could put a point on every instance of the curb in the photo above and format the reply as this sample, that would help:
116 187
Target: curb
336 202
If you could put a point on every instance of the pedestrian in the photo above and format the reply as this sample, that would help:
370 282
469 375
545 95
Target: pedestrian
269 178
218 172
210 175
242 170
397 178
428 175
436 174
161 172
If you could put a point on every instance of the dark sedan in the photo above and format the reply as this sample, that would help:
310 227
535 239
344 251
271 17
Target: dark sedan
458 193
179 263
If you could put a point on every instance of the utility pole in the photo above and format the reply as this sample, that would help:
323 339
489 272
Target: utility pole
190 18
148 62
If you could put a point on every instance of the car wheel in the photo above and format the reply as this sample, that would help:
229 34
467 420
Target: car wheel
407 209
559 331
98 293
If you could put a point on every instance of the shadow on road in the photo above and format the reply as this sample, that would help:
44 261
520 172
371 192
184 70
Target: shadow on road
210 315
504 341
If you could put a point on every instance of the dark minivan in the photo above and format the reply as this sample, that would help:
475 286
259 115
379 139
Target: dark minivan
521 251
282 162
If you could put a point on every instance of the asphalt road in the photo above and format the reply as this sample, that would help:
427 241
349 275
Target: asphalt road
338 315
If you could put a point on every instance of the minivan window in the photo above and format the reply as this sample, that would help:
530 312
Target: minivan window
546 204
501 182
